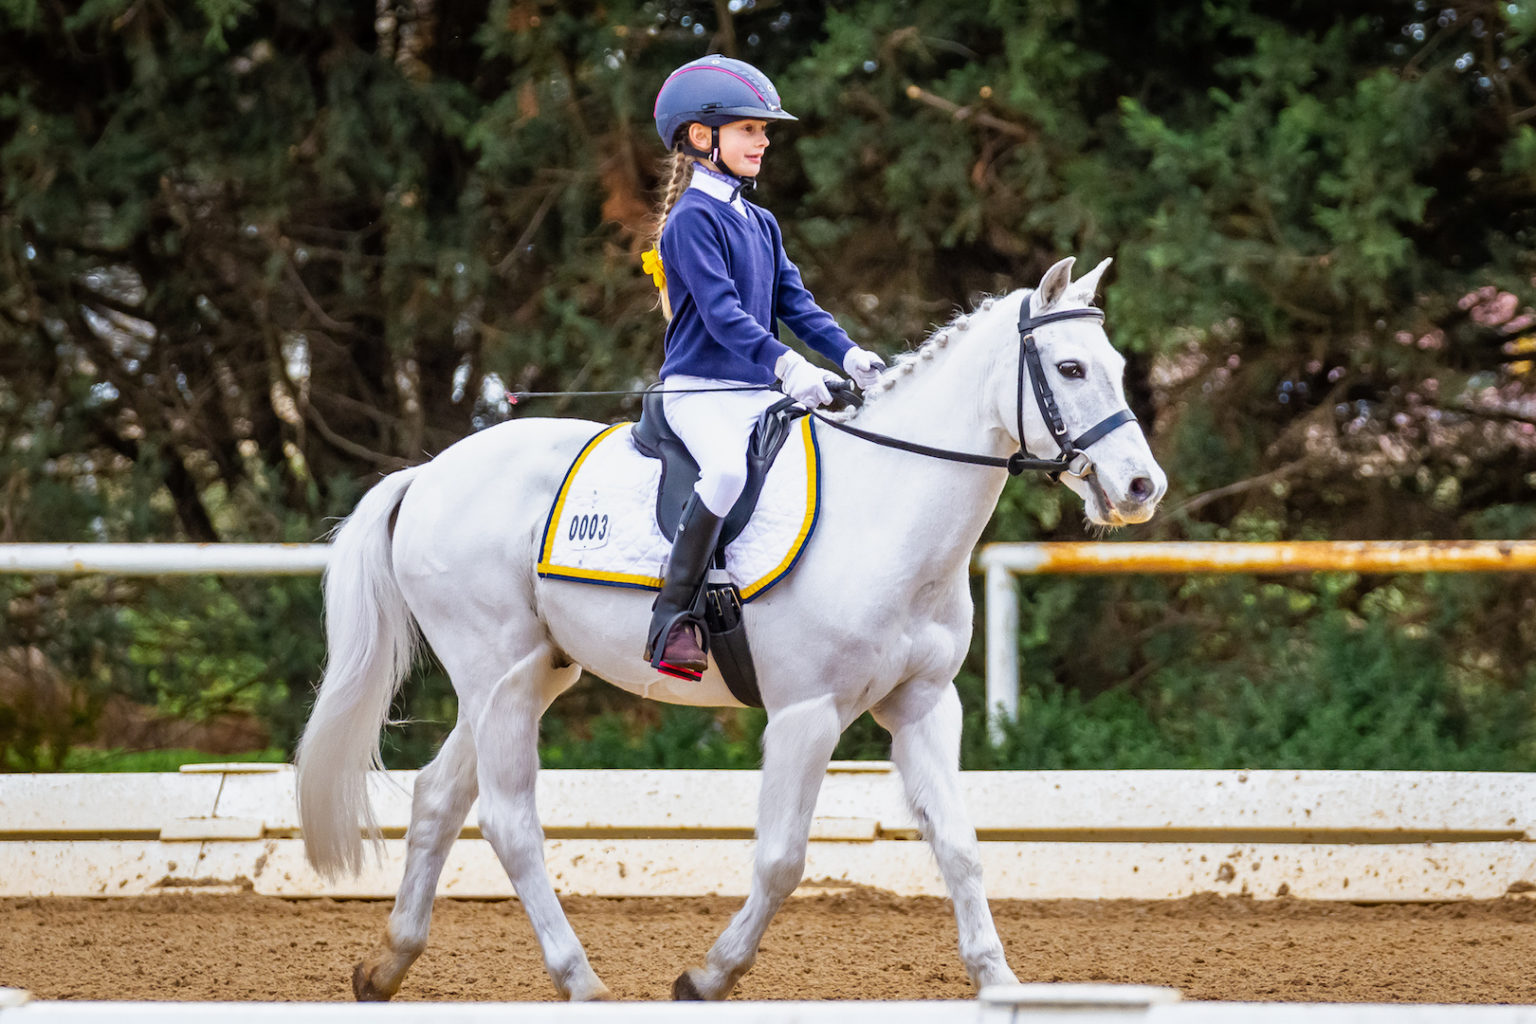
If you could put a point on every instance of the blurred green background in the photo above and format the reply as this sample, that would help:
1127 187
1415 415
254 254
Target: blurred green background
254 255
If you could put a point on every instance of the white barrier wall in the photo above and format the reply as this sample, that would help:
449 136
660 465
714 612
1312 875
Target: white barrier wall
1360 836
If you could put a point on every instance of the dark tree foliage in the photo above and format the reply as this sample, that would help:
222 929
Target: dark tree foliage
253 255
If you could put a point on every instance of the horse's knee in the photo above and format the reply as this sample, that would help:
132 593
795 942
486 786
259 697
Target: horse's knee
781 869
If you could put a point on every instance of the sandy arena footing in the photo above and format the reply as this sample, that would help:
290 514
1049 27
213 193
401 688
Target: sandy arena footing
845 945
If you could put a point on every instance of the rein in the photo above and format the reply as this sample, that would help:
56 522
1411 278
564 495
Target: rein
1073 460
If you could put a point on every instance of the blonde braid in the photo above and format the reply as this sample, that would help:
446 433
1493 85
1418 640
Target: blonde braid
679 173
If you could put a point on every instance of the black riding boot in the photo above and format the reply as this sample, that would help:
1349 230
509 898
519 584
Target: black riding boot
670 645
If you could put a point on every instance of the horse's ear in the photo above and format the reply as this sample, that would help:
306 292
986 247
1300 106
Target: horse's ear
1052 286
1087 286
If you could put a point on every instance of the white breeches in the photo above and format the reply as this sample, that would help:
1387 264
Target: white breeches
715 425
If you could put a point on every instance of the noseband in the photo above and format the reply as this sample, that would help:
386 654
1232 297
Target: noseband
1073 460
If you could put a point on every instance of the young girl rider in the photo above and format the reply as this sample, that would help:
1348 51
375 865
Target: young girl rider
727 284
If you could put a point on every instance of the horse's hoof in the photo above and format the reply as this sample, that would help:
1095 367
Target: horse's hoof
363 987
685 991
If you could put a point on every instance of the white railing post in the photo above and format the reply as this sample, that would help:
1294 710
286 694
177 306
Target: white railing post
1002 649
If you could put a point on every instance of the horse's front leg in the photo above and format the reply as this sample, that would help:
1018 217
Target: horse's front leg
797 744
924 719
506 729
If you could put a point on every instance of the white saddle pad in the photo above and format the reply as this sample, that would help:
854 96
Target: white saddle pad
602 527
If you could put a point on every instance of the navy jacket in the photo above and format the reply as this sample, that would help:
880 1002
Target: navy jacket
730 283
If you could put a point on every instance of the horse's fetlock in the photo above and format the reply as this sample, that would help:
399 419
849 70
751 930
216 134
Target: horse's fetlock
984 960
568 968
981 951
730 963
575 980
991 971
406 942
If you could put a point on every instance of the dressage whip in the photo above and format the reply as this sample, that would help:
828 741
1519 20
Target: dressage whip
513 397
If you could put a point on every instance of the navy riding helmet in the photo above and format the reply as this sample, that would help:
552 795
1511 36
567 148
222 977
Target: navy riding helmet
715 91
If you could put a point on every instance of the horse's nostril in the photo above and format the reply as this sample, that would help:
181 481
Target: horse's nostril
1141 488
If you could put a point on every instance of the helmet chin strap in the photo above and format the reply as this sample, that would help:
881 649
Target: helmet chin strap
743 183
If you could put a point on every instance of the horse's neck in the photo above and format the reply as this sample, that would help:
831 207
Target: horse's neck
932 511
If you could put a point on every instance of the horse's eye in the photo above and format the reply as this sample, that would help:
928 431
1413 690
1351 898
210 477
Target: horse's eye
1070 369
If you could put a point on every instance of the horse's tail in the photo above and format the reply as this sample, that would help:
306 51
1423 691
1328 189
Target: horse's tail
370 639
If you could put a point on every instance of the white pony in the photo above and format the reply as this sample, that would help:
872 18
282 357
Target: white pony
876 617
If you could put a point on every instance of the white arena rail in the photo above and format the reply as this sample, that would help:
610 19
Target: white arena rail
999 563
165 559
1358 836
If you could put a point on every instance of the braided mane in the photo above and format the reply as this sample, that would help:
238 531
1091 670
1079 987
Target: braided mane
904 365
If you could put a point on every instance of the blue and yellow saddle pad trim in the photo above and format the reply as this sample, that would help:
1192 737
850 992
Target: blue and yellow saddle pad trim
602 525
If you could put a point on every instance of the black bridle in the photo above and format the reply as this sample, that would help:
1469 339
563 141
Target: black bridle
1073 460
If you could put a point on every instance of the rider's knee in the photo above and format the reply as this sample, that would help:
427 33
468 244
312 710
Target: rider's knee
721 485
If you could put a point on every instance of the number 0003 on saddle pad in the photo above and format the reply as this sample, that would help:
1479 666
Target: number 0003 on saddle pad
602 528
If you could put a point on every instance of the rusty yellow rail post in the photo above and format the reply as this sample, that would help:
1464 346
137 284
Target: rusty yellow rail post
1001 562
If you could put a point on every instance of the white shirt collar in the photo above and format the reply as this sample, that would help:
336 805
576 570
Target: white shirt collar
716 186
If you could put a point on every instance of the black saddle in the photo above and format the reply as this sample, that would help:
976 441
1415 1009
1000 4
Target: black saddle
653 436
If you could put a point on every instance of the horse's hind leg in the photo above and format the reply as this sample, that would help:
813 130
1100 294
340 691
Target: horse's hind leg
445 789
797 744
924 720
506 725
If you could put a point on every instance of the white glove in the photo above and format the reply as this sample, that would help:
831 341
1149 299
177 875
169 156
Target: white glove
803 382
863 366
